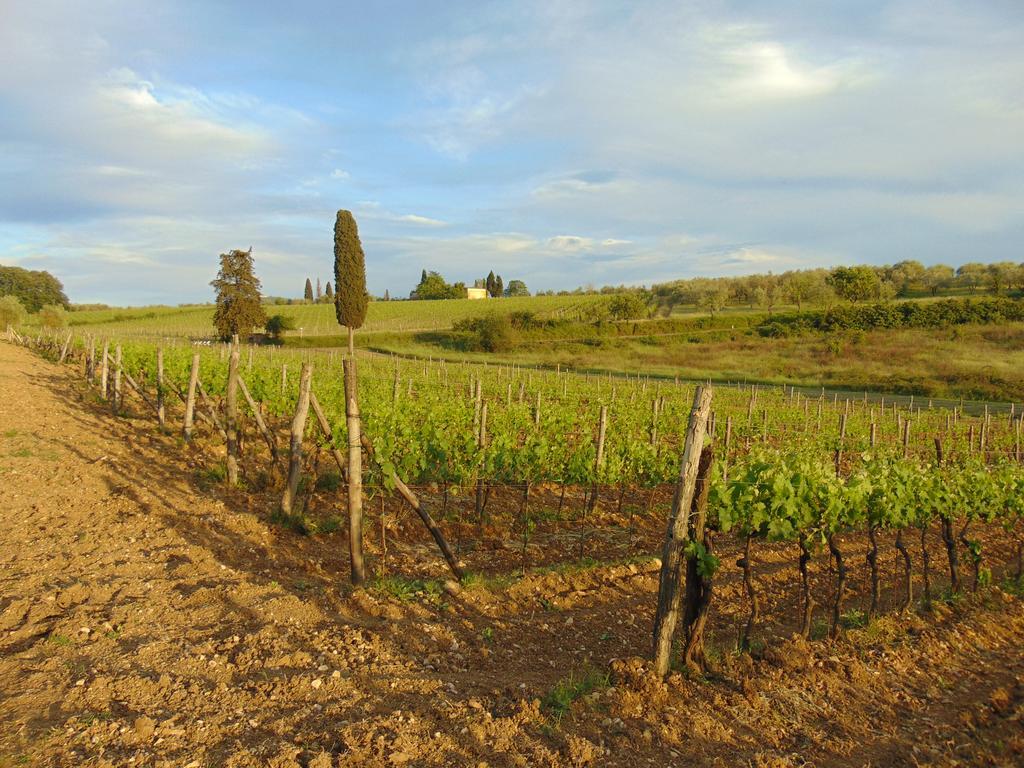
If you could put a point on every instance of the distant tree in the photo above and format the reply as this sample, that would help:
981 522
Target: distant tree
626 306
34 288
803 287
387 296
433 287
319 290
350 298
12 312
278 324
238 296
491 284
516 288
53 316
713 299
971 276
329 290
307 294
499 287
907 276
858 283
423 276
937 278
1001 275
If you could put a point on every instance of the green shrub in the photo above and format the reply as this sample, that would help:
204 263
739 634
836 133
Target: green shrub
12 312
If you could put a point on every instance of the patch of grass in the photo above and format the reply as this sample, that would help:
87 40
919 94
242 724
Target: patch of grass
330 525
558 701
1013 586
329 481
210 477
819 630
496 583
405 589
11 433
855 619
294 522
59 640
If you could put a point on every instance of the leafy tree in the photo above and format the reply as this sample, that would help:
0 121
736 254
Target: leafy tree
713 300
937 278
278 324
308 293
971 276
804 286
238 296
516 288
858 283
34 288
53 316
627 306
495 333
907 275
433 287
12 313
350 298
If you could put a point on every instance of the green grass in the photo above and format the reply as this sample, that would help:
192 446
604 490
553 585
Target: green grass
406 590
558 701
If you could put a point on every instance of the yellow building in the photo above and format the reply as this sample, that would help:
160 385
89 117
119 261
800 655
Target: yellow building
476 293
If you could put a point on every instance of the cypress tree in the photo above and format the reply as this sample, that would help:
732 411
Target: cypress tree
387 296
308 293
319 291
350 298
490 283
499 287
328 290
238 296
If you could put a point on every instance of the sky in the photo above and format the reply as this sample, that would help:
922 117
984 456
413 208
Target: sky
559 142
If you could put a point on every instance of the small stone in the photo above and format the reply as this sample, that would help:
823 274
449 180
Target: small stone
317 683
144 728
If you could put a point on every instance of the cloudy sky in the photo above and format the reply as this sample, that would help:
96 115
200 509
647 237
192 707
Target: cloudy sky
562 142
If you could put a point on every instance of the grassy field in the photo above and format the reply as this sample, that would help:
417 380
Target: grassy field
319 319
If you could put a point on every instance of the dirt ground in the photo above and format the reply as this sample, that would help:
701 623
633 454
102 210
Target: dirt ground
147 619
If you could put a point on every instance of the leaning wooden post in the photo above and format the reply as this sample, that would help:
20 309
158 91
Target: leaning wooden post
355 474
298 428
231 414
118 393
672 561
190 401
161 415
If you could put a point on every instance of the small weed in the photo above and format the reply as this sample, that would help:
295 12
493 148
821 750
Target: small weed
329 481
294 522
605 636
405 590
497 583
60 640
487 635
1014 586
11 433
209 477
558 701
330 525
819 630
855 619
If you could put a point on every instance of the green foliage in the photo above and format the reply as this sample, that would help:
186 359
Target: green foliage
53 316
627 306
350 298
277 324
238 296
558 701
307 293
516 288
12 312
858 283
432 287
33 288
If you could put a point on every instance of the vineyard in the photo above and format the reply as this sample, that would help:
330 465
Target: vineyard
787 466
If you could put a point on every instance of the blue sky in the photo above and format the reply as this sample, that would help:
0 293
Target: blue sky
562 143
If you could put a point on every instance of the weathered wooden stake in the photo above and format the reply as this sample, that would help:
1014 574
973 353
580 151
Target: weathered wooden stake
355 474
298 429
672 561
231 413
190 401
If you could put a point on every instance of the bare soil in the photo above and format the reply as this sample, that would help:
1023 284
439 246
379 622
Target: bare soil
148 618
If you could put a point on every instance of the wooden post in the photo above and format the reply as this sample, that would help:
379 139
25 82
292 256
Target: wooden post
906 438
190 401
298 429
105 371
231 414
161 415
672 560
118 393
355 473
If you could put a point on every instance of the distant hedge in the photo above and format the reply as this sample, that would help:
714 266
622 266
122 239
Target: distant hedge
904 314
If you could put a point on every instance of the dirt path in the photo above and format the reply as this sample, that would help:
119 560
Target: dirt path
143 622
